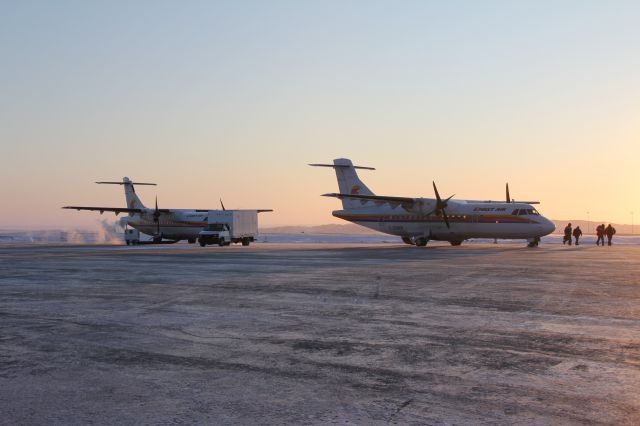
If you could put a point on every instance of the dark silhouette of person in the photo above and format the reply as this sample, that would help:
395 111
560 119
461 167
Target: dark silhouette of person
600 234
567 234
577 233
610 232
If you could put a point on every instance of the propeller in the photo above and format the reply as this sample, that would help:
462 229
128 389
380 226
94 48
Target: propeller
222 204
441 205
156 217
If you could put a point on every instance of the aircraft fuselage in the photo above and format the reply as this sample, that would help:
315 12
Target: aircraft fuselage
466 220
177 225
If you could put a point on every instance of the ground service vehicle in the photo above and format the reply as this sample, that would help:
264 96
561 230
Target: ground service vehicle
131 236
230 226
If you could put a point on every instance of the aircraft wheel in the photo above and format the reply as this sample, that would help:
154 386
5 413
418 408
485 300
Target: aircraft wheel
221 242
245 241
455 243
128 242
191 240
534 242
421 242
407 240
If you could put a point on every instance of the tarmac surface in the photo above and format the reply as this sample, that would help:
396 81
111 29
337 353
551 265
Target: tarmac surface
319 334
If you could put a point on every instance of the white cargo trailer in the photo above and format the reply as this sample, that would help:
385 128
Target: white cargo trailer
131 236
230 226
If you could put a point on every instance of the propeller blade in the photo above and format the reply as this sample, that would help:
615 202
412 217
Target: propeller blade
446 219
222 204
437 193
508 196
156 217
441 205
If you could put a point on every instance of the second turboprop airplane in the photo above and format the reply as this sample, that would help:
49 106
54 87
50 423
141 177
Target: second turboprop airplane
162 224
418 220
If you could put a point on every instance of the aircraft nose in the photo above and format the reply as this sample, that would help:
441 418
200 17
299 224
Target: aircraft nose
548 226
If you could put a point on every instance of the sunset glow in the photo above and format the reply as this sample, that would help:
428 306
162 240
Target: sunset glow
233 101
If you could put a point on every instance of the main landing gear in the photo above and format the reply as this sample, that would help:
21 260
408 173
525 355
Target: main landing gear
418 241
421 242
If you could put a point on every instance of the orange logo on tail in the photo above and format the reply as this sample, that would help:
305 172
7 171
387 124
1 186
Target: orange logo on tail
355 190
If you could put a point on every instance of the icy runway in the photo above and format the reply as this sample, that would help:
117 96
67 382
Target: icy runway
316 334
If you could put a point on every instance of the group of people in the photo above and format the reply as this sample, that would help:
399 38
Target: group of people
601 231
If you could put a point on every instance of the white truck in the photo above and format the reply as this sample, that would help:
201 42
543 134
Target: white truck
230 226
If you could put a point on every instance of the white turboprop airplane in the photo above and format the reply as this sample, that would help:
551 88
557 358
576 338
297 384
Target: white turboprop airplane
170 224
418 220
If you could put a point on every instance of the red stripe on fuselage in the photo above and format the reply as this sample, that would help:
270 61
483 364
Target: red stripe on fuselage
433 218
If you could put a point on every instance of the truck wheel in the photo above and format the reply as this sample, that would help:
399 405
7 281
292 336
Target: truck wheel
221 242
201 242
128 242
245 241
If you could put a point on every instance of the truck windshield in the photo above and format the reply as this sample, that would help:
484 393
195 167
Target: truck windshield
216 227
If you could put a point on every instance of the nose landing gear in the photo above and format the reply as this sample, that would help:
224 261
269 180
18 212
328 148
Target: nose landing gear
533 242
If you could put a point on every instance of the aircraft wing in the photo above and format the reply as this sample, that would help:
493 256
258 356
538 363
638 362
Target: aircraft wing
258 210
116 210
501 202
406 202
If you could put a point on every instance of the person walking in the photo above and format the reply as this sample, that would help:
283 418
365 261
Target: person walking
577 233
610 232
567 235
600 234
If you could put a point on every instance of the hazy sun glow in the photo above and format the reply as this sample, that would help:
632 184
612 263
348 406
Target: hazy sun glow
232 101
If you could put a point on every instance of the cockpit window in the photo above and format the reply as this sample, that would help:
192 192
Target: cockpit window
533 212
522 212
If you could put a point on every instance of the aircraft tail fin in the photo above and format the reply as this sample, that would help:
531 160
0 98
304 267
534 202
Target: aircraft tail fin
133 201
348 181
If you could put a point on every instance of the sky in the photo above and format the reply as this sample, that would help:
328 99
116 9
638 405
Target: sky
232 99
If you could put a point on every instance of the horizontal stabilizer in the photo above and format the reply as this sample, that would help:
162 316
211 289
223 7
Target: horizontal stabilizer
342 166
125 183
